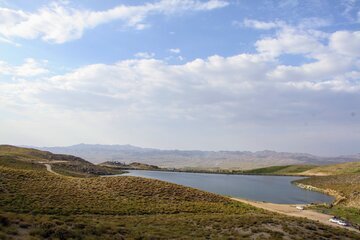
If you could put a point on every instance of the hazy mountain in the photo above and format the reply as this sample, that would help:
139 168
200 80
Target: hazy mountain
97 153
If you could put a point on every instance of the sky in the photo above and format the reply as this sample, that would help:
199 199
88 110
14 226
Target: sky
182 74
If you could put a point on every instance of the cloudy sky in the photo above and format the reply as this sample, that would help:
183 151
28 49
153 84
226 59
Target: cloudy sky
184 74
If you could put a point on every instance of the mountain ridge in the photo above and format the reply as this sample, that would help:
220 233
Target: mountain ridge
98 153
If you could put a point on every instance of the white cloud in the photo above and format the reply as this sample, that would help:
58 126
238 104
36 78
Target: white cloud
175 50
5 40
349 7
333 65
59 23
144 55
305 23
338 57
217 87
313 23
30 68
251 23
346 42
257 91
290 41
288 3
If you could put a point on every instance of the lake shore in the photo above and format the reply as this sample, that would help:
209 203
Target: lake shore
291 210
251 187
216 172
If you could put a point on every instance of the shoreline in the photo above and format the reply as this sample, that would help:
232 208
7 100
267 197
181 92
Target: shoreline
291 210
213 172
338 197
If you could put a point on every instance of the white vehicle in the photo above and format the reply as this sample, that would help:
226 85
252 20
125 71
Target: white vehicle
342 223
338 221
300 207
333 220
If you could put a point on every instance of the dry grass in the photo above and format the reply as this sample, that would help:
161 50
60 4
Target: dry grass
335 169
175 226
68 165
42 192
281 170
347 186
35 204
38 204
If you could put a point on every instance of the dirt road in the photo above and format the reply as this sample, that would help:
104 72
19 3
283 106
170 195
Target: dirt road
48 166
291 210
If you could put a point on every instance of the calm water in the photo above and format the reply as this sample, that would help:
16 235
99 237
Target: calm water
276 189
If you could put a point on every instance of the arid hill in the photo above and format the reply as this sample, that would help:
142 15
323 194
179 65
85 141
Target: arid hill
38 204
241 160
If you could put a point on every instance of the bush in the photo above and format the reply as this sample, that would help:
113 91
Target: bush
4 221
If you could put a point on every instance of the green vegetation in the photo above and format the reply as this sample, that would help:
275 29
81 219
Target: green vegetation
281 170
64 164
179 226
347 190
346 185
298 170
132 166
335 169
36 204
349 213
307 170
122 195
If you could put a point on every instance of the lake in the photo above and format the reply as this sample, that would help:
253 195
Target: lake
275 189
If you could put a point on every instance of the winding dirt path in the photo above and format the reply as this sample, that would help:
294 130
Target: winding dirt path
48 166
291 210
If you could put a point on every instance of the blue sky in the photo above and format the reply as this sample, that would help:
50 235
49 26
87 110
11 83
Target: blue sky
187 74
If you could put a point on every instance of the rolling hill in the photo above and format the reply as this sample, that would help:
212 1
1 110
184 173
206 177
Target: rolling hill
345 187
37 204
281 170
309 170
65 164
334 169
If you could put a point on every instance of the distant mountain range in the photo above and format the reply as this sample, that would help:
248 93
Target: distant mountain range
97 153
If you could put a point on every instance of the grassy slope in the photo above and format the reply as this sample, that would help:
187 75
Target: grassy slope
281 170
348 186
64 164
131 166
37 204
335 169
309 170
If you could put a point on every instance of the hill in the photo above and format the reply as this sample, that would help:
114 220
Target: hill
208 160
131 166
64 164
346 189
334 169
281 170
308 170
36 204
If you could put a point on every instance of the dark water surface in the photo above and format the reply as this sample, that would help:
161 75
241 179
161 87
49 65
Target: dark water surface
276 189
